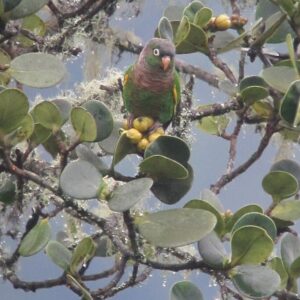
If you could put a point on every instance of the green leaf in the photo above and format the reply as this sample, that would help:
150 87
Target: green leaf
7 191
250 245
184 290
252 94
165 29
202 204
26 8
287 210
103 118
290 250
202 17
290 46
51 145
48 115
81 180
23 132
289 109
242 211
279 77
289 166
213 251
276 264
270 12
123 148
250 81
280 184
159 166
38 70
85 153
13 109
213 124
190 38
36 239
59 254
109 144
84 124
169 146
225 41
104 247
257 219
288 6
254 281
127 195
83 252
71 281
10 4
170 191
191 10
64 106
182 29
4 60
33 24
173 12
39 136
175 227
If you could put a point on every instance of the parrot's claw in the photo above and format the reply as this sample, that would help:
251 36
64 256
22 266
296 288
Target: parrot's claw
130 119
155 126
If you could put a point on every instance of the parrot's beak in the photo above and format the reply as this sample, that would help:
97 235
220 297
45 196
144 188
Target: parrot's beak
165 61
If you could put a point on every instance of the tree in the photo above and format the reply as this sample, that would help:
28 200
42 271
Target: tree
100 204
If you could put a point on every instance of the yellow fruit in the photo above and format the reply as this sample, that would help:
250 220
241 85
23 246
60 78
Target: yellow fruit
142 124
160 130
153 136
125 124
134 135
222 22
142 145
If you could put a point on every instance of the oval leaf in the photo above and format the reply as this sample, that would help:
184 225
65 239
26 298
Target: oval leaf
127 195
169 146
184 290
165 30
170 191
103 118
59 254
37 69
13 109
279 77
48 115
257 219
176 227
158 166
84 124
287 210
255 282
212 250
202 204
289 109
36 239
290 249
244 210
81 180
250 245
280 184
83 252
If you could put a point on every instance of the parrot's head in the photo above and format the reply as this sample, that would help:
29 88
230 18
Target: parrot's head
158 54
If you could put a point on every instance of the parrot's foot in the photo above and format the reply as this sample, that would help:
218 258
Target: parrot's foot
130 119
155 126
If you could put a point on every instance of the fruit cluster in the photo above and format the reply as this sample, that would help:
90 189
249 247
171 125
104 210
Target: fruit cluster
141 133
224 22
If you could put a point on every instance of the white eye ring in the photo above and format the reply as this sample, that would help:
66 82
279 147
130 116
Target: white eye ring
156 52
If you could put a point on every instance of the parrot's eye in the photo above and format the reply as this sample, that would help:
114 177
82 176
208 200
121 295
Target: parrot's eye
156 52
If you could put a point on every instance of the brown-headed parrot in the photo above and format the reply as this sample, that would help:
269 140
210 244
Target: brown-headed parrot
151 86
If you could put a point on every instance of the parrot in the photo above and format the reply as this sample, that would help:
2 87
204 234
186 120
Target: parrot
151 86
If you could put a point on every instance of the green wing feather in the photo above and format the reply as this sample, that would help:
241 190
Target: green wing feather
141 102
